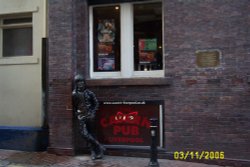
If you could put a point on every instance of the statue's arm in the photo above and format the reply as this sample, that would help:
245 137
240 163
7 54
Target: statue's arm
74 101
92 102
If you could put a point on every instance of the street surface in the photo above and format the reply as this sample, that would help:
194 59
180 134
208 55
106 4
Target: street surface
10 158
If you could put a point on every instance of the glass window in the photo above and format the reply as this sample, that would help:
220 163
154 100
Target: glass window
107 38
126 40
17 42
17 37
147 37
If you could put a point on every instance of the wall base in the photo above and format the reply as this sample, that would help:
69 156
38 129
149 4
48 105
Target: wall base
23 138
61 151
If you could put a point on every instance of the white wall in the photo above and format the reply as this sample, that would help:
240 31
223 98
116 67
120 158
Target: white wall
20 77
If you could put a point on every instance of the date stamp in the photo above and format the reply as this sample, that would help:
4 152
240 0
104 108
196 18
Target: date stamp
199 155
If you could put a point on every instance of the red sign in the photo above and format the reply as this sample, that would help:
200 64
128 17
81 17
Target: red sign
127 123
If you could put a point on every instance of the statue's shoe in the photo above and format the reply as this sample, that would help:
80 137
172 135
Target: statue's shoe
93 155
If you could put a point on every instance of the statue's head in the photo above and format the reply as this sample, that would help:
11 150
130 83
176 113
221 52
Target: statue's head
80 82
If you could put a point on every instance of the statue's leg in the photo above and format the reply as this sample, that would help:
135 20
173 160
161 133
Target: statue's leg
99 151
96 148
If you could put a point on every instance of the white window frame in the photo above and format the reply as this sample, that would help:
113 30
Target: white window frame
36 36
127 40
15 26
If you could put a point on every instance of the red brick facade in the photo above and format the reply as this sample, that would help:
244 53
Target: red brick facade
205 109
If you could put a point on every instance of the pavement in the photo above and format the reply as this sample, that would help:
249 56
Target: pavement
11 158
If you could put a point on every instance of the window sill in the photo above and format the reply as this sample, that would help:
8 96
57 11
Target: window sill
19 60
130 82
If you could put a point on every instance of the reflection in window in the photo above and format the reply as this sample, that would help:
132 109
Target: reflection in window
17 42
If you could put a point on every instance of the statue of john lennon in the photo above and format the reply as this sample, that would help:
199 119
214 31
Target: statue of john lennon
85 105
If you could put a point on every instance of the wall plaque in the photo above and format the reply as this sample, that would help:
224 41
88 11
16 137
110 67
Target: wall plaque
207 58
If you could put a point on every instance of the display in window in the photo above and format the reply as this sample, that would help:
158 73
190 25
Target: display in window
106 44
106 63
105 48
147 50
106 30
147 41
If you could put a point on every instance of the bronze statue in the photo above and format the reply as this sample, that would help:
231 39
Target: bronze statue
85 105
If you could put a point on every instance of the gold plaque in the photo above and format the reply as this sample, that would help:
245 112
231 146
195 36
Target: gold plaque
207 58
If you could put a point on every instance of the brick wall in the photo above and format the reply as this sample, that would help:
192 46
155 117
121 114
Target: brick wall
205 108
67 56
211 106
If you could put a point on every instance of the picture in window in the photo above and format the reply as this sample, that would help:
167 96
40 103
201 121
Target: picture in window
106 42
147 50
106 39
106 30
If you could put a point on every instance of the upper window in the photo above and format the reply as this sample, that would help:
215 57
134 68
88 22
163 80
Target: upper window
148 37
16 32
107 38
126 40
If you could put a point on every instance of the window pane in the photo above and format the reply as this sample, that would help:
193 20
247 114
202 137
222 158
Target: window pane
107 38
148 36
17 20
17 42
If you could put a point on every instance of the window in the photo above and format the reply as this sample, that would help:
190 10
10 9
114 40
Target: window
106 38
126 40
16 32
148 37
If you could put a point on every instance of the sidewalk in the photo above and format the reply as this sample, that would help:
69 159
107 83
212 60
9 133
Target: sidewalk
10 158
